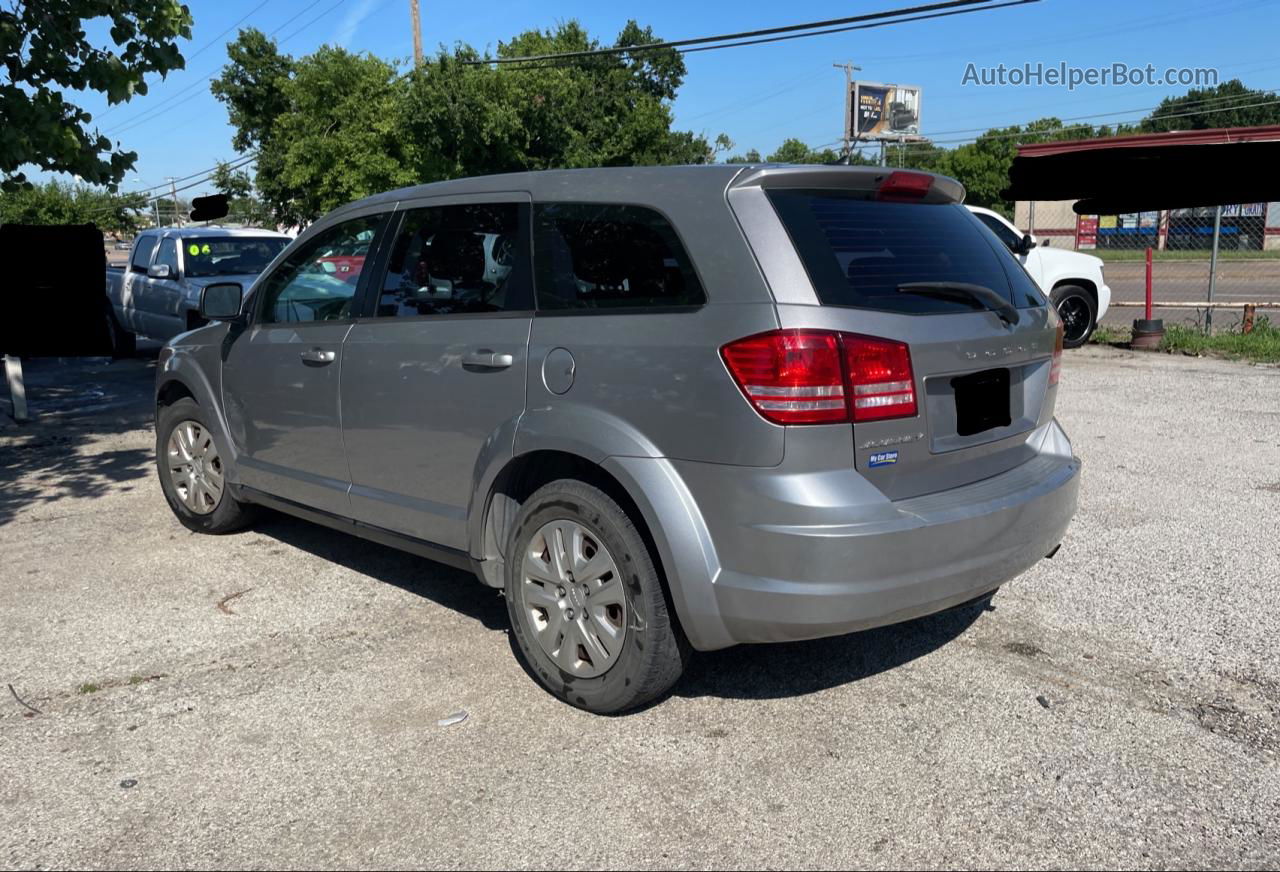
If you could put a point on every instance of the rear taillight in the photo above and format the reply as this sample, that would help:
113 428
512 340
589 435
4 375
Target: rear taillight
902 185
1055 368
822 377
790 376
880 375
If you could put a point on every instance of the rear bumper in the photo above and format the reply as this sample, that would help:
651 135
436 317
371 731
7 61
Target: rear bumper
801 555
942 550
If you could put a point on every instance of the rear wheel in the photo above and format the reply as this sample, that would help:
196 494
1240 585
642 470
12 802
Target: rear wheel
1078 313
123 343
588 611
192 474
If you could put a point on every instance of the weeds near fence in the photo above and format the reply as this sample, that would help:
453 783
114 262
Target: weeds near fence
1118 255
1105 334
1262 344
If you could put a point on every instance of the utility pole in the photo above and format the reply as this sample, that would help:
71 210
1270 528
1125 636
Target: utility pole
417 32
173 189
849 119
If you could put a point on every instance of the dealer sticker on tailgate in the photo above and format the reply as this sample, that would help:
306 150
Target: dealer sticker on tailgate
884 458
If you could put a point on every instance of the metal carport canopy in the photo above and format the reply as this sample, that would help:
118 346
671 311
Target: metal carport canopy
1122 174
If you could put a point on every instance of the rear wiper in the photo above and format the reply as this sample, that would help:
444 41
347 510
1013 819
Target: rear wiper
964 292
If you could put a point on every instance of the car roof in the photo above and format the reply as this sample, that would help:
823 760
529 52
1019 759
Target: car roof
213 232
644 184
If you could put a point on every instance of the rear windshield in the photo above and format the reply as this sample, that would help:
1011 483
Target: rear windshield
229 256
858 251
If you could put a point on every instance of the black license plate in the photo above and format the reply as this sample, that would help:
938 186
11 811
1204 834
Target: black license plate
982 401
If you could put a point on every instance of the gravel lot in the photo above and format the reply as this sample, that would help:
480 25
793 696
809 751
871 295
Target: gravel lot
271 698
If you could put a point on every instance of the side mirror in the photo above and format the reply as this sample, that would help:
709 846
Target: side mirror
221 302
158 271
1028 243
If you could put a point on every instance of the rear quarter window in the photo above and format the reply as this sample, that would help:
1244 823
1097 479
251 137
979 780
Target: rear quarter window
610 257
858 251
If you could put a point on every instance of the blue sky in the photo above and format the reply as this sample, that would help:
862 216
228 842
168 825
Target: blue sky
758 95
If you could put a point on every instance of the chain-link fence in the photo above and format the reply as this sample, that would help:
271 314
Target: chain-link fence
1187 272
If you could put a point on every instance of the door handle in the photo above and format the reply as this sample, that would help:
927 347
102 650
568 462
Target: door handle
487 359
316 355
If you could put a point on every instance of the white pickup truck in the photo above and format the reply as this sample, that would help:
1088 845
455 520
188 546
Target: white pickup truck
1074 281
157 293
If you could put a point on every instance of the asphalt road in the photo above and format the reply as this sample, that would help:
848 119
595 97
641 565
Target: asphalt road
1239 281
271 698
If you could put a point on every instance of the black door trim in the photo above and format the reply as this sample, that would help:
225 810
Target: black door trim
439 553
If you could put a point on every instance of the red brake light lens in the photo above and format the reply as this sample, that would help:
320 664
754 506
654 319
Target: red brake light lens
902 185
818 377
790 376
883 385
1055 368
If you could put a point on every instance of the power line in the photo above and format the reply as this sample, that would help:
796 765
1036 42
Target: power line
1205 102
203 176
856 27
741 35
200 50
150 113
1025 133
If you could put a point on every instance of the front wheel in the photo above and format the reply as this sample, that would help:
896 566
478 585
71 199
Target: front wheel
192 474
588 611
1078 312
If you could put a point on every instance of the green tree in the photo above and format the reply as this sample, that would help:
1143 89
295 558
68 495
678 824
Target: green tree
243 206
751 157
60 203
1230 104
44 53
334 126
797 152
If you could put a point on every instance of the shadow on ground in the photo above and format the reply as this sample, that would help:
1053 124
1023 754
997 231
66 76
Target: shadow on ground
798 668
744 672
74 402
452 588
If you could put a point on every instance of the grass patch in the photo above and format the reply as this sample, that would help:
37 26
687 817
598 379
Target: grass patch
89 687
1120 255
1262 345
1105 334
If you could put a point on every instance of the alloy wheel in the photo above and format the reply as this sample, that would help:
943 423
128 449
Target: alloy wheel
1075 318
574 599
195 468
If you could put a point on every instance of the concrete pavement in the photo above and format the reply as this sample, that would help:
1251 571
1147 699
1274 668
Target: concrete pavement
271 698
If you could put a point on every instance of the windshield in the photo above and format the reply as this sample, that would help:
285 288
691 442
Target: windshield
859 251
243 255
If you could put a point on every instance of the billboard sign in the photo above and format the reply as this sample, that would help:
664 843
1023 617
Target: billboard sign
879 111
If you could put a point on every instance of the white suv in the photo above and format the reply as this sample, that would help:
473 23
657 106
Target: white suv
1074 281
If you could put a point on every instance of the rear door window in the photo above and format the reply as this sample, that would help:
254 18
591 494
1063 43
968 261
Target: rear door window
858 251
610 257
459 259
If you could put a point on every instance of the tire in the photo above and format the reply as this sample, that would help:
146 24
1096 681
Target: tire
1079 314
640 664
123 343
193 502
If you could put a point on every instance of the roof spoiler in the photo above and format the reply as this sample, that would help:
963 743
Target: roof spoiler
891 182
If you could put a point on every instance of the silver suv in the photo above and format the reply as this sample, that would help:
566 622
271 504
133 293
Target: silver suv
662 409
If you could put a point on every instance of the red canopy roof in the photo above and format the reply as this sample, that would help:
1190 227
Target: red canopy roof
1216 136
